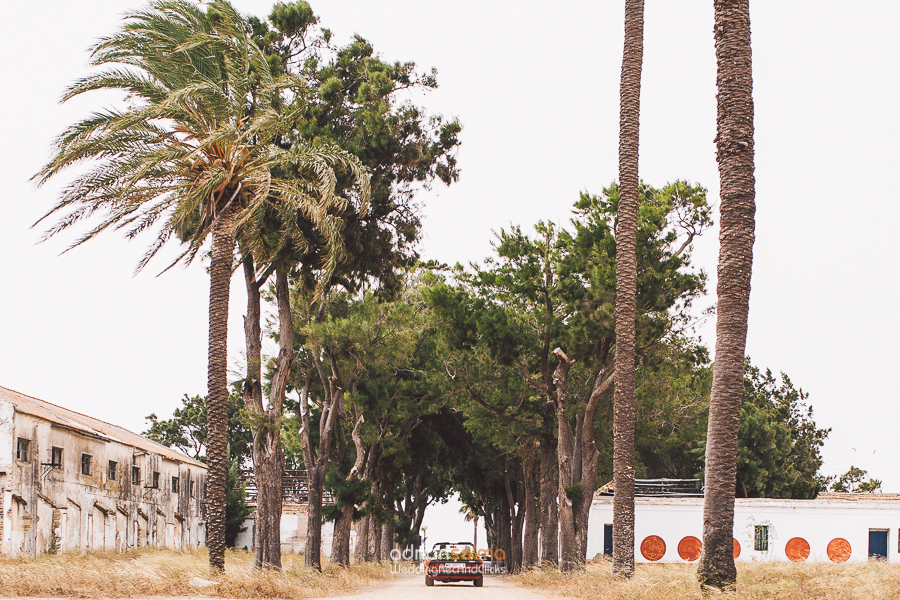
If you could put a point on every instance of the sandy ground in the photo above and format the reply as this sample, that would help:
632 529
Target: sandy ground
412 587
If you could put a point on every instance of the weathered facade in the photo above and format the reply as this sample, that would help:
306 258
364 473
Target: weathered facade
71 482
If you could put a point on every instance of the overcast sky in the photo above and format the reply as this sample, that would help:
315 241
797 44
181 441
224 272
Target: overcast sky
537 93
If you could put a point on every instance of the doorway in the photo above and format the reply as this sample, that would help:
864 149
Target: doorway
607 540
878 544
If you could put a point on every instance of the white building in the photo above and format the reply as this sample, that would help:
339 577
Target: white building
73 482
833 527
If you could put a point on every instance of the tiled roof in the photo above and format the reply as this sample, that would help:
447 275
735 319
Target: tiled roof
90 426
824 499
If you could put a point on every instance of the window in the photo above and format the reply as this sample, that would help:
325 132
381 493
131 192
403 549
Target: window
56 458
174 485
111 471
135 475
155 479
761 538
85 464
192 489
22 449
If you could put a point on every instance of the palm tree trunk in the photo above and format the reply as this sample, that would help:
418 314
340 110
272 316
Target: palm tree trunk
626 286
734 153
217 381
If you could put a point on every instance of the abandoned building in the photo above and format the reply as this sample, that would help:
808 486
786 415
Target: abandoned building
835 527
72 482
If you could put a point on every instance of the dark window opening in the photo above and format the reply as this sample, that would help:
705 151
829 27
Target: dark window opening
85 464
174 485
155 480
56 458
761 538
111 472
191 485
22 449
878 544
135 475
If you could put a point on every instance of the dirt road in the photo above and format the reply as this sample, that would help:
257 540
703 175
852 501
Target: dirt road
412 587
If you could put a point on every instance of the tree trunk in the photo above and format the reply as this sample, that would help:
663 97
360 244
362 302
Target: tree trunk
374 553
626 286
362 540
268 455
387 539
340 548
217 380
316 459
313 550
387 534
589 458
566 455
548 499
340 542
504 538
532 517
734 154
516 513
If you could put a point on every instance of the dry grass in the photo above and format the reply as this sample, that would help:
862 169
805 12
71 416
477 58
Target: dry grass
152 572
781 581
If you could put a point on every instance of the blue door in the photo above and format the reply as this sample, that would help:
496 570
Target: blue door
878 542
607 540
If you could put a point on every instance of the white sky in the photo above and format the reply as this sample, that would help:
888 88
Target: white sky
537 92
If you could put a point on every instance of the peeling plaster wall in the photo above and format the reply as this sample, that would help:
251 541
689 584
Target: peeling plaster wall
816 521
44 506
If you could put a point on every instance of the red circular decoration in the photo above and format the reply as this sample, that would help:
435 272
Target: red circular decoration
653 548
797 549
839 550
737 548
689 548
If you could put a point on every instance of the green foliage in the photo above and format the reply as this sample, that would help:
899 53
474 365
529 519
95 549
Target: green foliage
187 430
346 493
357 100
779 444
574 492
854 481
200 137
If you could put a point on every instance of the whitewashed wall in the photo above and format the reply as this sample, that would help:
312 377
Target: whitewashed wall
816 521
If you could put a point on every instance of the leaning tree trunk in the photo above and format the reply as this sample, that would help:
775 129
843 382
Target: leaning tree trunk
217 380
589 458
340 545
626 286
734 153
268 455
566 457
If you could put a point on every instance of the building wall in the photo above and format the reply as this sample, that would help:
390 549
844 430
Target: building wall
818 522
46 507
293 531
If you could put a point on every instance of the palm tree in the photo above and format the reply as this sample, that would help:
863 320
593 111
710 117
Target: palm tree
192 156
734 153
626 289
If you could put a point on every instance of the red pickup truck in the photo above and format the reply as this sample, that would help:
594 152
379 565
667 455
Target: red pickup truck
450 561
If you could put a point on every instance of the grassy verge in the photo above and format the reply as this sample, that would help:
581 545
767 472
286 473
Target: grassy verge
152 572
772 581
